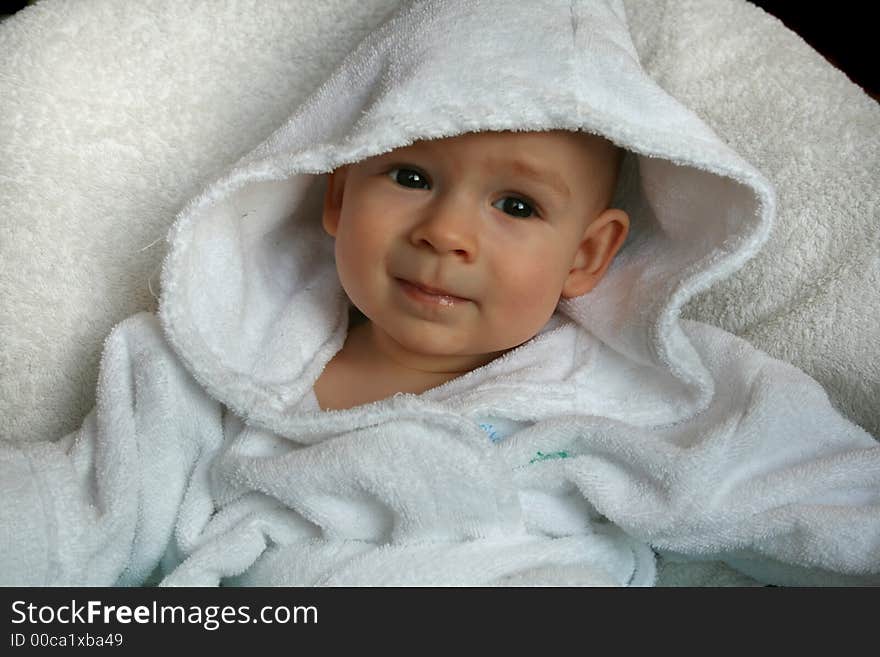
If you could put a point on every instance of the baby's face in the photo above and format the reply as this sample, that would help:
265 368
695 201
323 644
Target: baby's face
464 246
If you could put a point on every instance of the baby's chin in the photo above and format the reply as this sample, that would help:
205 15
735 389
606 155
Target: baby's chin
466 352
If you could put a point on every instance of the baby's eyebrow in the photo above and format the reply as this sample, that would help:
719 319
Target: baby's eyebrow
540 176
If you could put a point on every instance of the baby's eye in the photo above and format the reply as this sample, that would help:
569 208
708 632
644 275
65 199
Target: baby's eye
516 207
411 178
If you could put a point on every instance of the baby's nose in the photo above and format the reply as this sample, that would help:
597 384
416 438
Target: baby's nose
448 226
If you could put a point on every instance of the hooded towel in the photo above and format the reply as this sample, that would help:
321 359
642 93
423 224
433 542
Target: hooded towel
637 430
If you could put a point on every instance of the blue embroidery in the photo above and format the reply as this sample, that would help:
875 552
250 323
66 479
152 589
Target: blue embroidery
490 431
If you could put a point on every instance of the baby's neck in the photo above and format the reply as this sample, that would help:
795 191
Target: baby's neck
371 366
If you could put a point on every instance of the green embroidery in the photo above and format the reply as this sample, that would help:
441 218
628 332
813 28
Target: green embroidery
541 456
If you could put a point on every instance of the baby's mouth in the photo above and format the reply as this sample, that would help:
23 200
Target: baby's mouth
429 294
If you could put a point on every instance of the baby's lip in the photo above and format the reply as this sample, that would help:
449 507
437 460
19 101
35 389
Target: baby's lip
430 289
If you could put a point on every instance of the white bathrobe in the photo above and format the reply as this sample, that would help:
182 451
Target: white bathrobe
620 431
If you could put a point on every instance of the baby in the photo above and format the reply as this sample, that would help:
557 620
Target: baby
523 404
459 249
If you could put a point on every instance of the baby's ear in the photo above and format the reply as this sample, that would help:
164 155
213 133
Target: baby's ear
333 200
601 242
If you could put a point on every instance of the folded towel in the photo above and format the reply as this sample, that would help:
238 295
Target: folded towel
812 296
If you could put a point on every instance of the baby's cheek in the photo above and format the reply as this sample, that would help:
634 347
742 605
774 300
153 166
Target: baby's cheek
528 299
349 266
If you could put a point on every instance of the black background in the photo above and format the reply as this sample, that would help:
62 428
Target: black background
842 32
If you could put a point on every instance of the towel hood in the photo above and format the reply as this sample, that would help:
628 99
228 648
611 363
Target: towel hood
251 301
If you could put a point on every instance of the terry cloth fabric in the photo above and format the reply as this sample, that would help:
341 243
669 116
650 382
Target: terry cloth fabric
496 428
113 107
651 433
